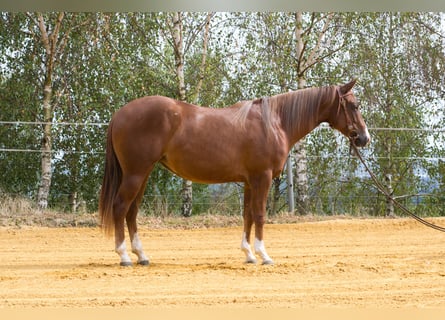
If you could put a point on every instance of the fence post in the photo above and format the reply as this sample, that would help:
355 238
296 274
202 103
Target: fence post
290 184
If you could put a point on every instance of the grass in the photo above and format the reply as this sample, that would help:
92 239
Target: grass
19 212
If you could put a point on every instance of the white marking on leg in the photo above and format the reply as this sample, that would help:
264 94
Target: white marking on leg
136 247
261 250
121 250
245 246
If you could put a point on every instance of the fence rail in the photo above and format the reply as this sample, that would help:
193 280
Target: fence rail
319 205
322 126
100 124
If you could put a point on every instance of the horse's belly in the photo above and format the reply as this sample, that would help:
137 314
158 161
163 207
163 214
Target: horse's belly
204 168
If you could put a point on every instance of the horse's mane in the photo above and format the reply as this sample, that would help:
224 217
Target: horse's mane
291 110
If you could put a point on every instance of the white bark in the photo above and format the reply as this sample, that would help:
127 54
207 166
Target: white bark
187 190
46 166
301 178
195 97
49 41
179 54
306 59
177 33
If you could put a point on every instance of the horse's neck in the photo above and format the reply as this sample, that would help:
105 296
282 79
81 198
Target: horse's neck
304 120
297 135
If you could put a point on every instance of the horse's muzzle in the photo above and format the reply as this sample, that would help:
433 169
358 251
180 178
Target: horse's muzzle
360 140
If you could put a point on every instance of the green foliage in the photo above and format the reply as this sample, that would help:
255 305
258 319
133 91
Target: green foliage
109 59
395 51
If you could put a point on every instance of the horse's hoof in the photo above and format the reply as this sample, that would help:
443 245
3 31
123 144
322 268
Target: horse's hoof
126 264
268 263
250 261
143 263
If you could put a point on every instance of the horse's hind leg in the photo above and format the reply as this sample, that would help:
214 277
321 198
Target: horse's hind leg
136 245
248 221
127 193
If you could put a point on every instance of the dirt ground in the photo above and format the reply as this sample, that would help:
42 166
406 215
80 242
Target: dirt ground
339 263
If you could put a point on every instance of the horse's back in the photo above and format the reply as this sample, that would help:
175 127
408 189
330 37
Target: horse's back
198 143
148 105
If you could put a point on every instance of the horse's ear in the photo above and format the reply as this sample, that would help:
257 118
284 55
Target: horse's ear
348 86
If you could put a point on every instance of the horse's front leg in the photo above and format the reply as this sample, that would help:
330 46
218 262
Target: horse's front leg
248 221
260 187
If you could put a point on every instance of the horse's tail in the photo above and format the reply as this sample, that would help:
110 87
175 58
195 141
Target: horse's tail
110 184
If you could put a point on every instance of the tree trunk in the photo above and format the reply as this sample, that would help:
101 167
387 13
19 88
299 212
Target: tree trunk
389 212
301 178
388 110
45 179
50 44
179 54
275 194
195 97
290 184
187 190
301 172
187 198
72 199
389 202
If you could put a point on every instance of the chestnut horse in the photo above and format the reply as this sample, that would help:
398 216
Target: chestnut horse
248 142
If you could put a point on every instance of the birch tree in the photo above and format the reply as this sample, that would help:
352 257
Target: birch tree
178 46
53 42
38 41
317 41
400 58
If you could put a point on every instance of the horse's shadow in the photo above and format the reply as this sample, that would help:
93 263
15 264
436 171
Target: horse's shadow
170 265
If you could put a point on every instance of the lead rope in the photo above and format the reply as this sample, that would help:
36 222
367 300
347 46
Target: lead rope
382 189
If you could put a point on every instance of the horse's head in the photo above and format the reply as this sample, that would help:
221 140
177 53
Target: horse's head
346 117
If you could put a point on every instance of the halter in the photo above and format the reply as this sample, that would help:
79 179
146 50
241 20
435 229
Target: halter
341 104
